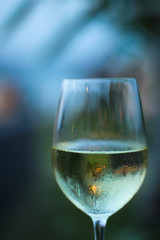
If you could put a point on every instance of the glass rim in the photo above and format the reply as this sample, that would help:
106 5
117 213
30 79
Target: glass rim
100 79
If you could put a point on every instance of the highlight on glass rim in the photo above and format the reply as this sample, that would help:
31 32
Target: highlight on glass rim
99 146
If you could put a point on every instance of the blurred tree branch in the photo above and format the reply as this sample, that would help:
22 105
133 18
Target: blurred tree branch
55 46
18 16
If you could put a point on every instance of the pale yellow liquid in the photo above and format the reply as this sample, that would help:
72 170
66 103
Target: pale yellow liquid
99 177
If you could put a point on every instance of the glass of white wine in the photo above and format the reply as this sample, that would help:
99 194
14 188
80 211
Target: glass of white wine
99 147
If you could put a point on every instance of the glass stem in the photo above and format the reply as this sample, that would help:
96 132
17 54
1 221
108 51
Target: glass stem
99 228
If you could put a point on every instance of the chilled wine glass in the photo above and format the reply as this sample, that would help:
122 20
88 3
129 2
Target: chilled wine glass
99 147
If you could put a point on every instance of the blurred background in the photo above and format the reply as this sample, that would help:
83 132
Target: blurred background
42 42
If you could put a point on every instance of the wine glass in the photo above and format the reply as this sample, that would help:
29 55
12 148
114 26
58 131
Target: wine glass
99 147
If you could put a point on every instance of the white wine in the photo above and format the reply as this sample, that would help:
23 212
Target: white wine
99 177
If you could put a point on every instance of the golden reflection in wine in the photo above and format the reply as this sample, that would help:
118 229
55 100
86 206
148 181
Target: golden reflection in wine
125 170
72 128
99 168
93 189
